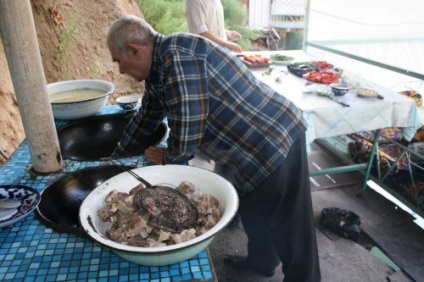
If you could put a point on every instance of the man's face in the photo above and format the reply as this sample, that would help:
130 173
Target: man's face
135 62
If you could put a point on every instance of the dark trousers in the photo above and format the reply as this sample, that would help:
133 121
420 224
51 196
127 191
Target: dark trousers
278 220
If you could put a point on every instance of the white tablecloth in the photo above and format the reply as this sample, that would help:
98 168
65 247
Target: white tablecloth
326 118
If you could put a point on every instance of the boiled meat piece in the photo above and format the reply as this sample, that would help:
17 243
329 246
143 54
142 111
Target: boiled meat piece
116 235
134 225
111 197
163 236
106 212
186 235
125 203
153 243
186 188
137 188
207 204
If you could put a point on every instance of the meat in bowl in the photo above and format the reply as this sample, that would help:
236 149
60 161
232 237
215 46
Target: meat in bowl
205 181
130 227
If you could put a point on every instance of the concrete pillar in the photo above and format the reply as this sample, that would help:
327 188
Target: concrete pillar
20 42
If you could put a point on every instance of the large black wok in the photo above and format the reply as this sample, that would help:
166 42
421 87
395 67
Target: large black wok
62 198
95 138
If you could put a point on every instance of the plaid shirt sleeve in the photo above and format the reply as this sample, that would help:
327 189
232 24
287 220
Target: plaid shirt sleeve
139 129
186 97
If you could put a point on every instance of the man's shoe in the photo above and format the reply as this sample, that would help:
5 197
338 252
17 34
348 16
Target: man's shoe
242 263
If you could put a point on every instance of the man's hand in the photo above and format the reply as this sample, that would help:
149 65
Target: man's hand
233 35
233 47
154 154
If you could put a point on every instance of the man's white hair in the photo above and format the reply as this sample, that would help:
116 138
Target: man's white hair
129 30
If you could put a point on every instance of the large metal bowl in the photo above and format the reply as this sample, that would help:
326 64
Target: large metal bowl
206 181
78 106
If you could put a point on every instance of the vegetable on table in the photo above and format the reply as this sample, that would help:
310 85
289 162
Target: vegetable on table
280 57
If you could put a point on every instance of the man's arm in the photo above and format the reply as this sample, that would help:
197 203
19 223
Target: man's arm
230 45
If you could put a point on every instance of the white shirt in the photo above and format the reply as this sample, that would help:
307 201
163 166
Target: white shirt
205 15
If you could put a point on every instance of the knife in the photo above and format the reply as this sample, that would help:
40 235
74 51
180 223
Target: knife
329 96
338 101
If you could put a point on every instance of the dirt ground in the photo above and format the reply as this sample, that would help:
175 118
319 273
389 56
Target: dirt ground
71 36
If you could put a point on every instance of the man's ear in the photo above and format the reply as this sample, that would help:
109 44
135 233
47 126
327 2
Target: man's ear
134 50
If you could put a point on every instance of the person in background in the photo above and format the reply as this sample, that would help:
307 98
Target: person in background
214 104
206 18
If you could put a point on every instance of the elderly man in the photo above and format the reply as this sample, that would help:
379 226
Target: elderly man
215 105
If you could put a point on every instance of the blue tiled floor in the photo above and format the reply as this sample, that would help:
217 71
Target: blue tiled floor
31 251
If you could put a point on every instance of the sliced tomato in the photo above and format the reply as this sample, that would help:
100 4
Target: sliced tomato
262 60
322 64
255 59
321 77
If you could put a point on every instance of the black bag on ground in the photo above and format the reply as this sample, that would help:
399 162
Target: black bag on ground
342 222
